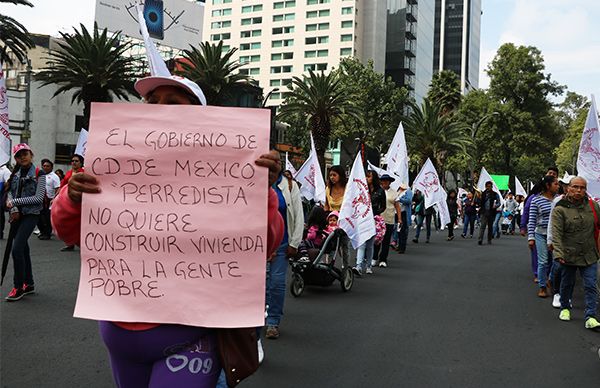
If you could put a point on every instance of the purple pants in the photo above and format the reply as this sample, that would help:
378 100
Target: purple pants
534 262
165 356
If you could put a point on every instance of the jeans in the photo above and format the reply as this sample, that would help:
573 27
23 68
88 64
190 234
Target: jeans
276 276
487 220
496 231
469 222
589 275
44 224
403 234
556 276
382 250
20 250
534 261
420 218
543 259
364 254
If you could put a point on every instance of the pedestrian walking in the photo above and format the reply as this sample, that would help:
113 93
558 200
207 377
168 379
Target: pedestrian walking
334 196
422 215
389 216
404 216
76 167
510 207
470 215
365 253
537 231
575 225
52 187
490 202
26 190
452 203
137 350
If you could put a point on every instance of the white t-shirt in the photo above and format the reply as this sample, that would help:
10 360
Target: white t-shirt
4 174
52 184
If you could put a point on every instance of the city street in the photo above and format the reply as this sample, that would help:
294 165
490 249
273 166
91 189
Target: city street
446 314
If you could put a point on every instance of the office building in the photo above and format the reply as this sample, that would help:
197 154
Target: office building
457 40
280 39
409 44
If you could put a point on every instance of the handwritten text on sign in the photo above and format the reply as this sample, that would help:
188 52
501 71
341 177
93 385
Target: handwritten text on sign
178 234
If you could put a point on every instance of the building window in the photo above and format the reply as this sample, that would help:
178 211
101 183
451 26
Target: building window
346 51
346 38
347 11
63 153
283 30
313 2
221 12
322 53
223 24
247 21
275 82
252 8
347 24
282 17
223 36
221 1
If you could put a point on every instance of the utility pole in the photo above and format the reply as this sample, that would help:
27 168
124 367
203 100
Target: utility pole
26 127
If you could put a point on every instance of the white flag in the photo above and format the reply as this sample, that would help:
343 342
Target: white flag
289 166
462 192
356 214
531 186
484 177
82 143
395 185
397 158
155 62
442 209
4 133
310 177
428 183
519 188
588 161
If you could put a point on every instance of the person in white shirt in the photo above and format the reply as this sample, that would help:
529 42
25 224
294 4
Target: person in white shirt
4 177
52 186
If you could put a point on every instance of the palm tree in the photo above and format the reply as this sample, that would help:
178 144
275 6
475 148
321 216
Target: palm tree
319 98
91 64
14 37
214 71
445 90
430 134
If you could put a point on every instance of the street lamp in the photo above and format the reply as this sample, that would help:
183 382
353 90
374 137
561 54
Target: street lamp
267 97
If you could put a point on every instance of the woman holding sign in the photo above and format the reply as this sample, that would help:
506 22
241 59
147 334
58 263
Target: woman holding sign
76 166
167 355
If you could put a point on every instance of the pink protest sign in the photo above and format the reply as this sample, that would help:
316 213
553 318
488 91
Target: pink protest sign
178 234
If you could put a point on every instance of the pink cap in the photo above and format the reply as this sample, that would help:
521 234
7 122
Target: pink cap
334 213
20 147
146 85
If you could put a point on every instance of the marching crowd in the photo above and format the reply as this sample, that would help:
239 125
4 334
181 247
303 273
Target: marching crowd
558 218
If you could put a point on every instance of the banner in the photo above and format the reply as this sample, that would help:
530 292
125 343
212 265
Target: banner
442 209
82 143
289 166
397 158
356 215
484 177
178 234
310 177
588 160
395 185
4 133
519 188
428 183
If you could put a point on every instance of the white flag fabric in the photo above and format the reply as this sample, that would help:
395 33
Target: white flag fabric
428 183
519 188
82 143
588 160
156 64
310 177
397 158
484 177
356 215
442 209
380 171
531 186
289 166
462 192
5 134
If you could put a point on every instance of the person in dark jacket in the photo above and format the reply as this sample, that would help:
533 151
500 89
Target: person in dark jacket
452 203
422 215
470 215
490 201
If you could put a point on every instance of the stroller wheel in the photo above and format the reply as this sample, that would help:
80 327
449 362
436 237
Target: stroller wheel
297 285
347 279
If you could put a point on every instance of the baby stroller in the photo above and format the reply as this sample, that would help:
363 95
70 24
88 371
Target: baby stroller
506 222
318 268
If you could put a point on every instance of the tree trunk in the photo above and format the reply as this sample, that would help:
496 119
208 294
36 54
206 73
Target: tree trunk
321 131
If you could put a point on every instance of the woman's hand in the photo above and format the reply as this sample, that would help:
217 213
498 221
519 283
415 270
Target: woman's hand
273 163
82 183
531 244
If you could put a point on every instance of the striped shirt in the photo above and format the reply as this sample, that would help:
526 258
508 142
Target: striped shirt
36 199
539 216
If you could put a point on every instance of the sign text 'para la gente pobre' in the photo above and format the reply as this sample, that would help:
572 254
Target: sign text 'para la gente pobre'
178 234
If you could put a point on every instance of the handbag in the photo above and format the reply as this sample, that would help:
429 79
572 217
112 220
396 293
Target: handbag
596 225
238 353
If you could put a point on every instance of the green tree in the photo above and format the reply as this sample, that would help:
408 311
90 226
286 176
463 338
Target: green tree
568 110
319 99
93 65
214 71
566 152
430 134
14 36
445 90
379 102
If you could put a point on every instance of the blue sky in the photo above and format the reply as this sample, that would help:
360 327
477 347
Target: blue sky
565 30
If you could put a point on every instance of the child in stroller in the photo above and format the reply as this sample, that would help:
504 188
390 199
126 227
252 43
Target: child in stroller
507 222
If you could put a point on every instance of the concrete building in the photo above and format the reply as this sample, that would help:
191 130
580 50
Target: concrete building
457 40
409 44
280 39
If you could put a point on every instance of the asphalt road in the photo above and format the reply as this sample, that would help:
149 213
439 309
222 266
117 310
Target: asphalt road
446 314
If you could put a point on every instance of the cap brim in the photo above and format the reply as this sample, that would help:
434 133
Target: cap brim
146 85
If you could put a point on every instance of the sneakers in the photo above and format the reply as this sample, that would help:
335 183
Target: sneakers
556 301
67 248
415 240
28 289
272 332
542 292
373 263
14 295
357 271
383 264
463 235
261 352
592 323
479 242
369 271
565 315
